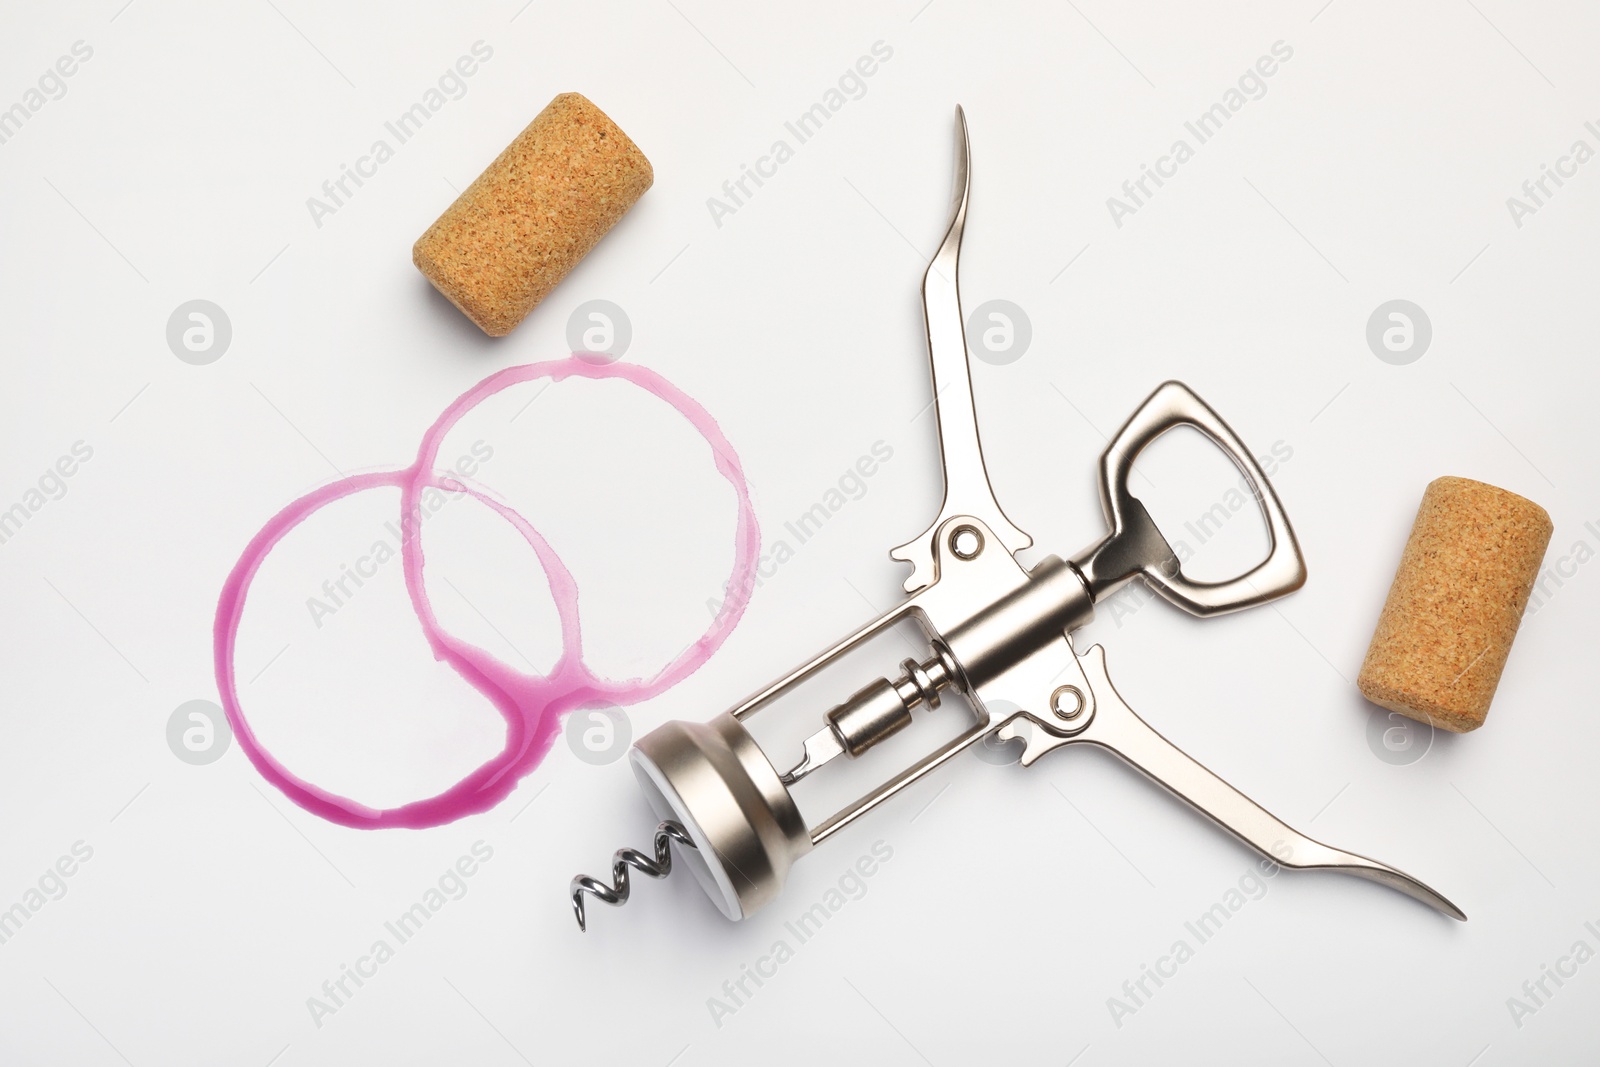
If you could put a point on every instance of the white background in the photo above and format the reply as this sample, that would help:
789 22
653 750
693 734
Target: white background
1377 165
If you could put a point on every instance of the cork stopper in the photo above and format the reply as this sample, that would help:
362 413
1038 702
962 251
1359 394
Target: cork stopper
1457 599
533 214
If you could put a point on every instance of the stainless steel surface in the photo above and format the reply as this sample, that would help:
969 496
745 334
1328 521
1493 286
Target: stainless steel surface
1114 726
920 682
994 606
715 781
618 891
1000 636
817 750
1013 623
1135 546
875 713
966 482
927 764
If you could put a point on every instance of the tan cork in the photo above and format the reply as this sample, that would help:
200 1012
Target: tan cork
1453 611
533 214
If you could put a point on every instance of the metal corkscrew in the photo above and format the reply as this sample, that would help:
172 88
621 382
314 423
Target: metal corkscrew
999 635
620 888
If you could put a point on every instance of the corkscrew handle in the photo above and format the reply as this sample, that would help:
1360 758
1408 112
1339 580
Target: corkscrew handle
1109 723
1136 547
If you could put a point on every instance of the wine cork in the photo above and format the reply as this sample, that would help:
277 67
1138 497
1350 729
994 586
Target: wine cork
1456 602
533 214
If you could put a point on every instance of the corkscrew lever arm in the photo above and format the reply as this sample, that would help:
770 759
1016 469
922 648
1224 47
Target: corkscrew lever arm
966 481
1112 725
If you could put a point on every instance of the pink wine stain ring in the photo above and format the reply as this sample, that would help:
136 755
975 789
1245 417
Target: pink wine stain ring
532 705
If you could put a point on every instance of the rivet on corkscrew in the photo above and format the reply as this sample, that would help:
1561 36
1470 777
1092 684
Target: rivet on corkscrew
618 891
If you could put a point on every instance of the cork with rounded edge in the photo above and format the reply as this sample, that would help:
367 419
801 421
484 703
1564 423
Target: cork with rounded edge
533 214
1457 599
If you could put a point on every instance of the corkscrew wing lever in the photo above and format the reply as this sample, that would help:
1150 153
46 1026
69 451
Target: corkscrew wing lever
966 481
1108 722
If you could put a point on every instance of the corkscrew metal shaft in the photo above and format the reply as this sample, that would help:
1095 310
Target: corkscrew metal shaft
999 635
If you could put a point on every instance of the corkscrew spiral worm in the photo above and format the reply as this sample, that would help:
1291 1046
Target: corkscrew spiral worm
618 891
